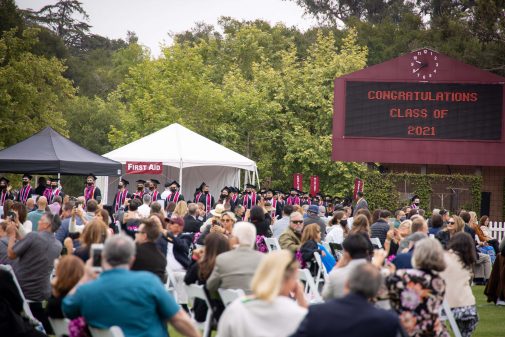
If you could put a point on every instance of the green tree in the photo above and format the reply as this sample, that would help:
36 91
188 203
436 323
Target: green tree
32 89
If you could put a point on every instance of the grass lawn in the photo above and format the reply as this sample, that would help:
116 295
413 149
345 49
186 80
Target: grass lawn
491 324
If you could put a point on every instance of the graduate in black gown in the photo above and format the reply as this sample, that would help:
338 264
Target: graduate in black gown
121 195
205 197
153 190
27 190
139 193
91 191
5 191
54 191
175 195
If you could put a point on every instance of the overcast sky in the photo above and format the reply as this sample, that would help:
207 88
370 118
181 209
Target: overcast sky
153 20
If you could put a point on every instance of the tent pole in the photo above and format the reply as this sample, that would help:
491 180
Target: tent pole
59 182
257 176
180 174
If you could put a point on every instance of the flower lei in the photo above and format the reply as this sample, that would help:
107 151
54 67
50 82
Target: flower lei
260 244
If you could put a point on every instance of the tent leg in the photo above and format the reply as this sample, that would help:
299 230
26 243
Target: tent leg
180 175
59 182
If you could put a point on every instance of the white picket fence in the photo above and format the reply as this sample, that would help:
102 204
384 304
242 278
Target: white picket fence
497 230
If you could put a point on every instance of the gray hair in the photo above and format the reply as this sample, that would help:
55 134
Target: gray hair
192 208
146 198
292 215
322 210
245 232
435 211
365 280
428 255
118 250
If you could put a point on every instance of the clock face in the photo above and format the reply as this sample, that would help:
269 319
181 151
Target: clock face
424 64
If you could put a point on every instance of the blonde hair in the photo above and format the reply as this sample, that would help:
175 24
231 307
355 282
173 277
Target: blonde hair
473 218
181 209
272 271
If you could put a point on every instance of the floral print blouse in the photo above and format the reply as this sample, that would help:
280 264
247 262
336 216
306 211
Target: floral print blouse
417 296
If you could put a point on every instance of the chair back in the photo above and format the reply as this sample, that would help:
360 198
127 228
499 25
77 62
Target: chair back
310 286
197 291
230 295
113 331
322 274
60 326
272 244
376 242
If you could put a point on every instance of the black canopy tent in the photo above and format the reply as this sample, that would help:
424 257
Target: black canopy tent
48 152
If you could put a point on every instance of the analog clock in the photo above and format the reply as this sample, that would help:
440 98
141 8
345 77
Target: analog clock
424 64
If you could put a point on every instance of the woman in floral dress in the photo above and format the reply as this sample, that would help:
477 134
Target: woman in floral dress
417 294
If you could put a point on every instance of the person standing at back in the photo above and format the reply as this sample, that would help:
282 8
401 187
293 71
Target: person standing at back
361 203
380 228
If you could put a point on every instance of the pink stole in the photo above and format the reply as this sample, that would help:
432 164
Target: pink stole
120 198
89 191
208 200
274 206
3 197
293 201
175 198
253 200
23 194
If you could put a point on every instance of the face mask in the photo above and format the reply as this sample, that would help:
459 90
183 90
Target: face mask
25 183
90 183
173 189
2 187
268 198
416 203
403 218
140 188
119 186
343 222
223 196
54 186
293 195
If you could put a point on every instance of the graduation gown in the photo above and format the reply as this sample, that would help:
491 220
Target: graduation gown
5 195
207 200
174 197
25 193
97 194
53 193
250 200
138 195
155 195
119 199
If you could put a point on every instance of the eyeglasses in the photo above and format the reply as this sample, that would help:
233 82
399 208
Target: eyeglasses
226 220
297 222
451 222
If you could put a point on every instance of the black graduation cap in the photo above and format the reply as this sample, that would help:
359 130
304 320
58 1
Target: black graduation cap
294 190
125 182
269 190
26 175
226 188
4 179
250 186
140 181
263 191
173 183
415 196
202 185
54 180
91 175
154 181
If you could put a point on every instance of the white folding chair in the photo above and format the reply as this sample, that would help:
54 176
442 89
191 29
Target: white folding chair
446 315
230 295
376 242
60 326
310 289
272 244
113 331
197 291
26 306
322 274
170 285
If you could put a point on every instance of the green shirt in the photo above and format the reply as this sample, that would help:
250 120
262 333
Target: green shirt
34 217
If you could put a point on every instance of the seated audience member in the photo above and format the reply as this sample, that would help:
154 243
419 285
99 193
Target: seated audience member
95 231
313 217
55 206
261 220
460 259
282 224
69 271
145 209
148 257
137 302
35 253
4 242
271 311
292 237
181 209
64 231
380 228
12 321
34 216
361 225
404 260
419 225
352 315
235 269
495 287
419 309
170 208
24 226
311 243
224 226
191 222
454 225
436 224
339 229
355 253
200 270
399 218
156 208
30 205
485 235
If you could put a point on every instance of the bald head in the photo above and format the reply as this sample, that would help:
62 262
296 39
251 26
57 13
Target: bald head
42 203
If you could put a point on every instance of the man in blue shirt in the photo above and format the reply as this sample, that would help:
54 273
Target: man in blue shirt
136 301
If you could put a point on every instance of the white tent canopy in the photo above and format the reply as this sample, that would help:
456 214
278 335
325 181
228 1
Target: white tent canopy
195 157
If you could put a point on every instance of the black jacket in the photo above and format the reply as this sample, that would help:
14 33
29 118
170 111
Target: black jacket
350 316
181 243
191 225
150 258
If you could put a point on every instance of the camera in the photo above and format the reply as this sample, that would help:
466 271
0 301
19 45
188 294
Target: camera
11 215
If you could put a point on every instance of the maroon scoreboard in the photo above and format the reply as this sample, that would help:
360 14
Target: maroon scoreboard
420 108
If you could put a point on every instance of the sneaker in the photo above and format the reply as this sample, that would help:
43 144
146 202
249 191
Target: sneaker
500 302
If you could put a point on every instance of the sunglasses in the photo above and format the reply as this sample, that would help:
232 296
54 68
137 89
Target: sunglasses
297 222
451 222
